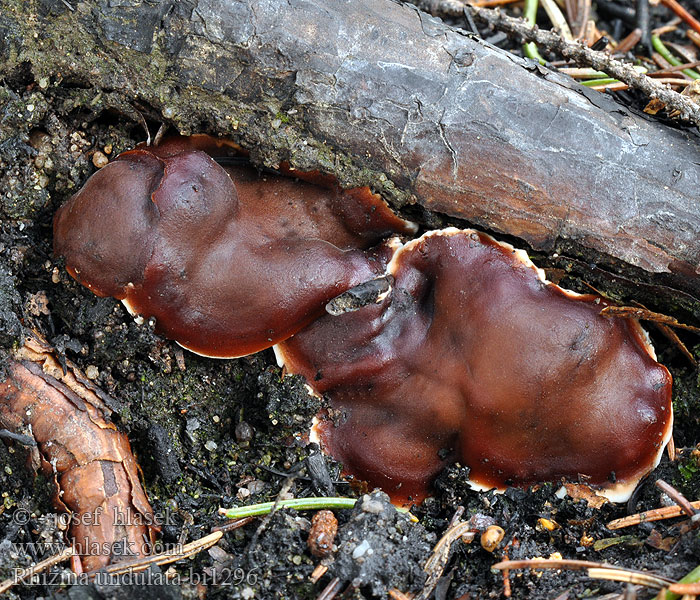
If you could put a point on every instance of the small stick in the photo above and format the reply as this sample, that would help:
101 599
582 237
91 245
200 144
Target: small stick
638 578
29 572
672 336
585 56
435 565
583 11
231 525
616 86
629 42
668 55
674 69
693 37
676 496
595 570
682 13
656 514
318 572
164 558
642 15
25 440
506 578
331 590
645 315
571 11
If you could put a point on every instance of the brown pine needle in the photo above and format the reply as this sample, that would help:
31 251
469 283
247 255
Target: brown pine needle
435 565
629 42
685 589
645 315
672 337
141 564
39 567
677 497
639 578
682 13
672 69
594 570
318 572
656 514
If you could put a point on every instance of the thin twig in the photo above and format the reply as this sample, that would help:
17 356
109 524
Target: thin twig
29 572
595 570
666 53
656 514
435 565
645 315
180 552
677 497
629 42
585 56
331 590
682 13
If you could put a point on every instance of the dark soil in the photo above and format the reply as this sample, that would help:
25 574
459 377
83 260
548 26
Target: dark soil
213 433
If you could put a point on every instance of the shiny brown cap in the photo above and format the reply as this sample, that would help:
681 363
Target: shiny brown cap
473 357
228 262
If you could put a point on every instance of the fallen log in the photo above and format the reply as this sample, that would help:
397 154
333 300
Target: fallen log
381 94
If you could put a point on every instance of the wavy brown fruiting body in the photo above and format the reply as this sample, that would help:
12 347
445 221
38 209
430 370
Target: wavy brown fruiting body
227 261
471 357
474 357
91 463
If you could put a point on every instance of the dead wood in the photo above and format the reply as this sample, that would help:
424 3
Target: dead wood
379 93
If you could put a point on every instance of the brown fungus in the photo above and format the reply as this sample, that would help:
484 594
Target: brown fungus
469 356
228 262
474 357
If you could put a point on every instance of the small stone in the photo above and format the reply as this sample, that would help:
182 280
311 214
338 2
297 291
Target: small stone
361 549
244 432
92 372
99 160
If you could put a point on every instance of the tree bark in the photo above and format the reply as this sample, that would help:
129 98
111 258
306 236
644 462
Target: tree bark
381 94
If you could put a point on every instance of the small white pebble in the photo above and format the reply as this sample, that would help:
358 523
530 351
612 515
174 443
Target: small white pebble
361 549
92 372
371 506
99 160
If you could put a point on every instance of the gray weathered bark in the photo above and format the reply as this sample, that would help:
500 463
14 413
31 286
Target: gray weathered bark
379 93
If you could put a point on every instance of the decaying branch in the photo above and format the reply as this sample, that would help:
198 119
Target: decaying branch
579 53
379 93
90 462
